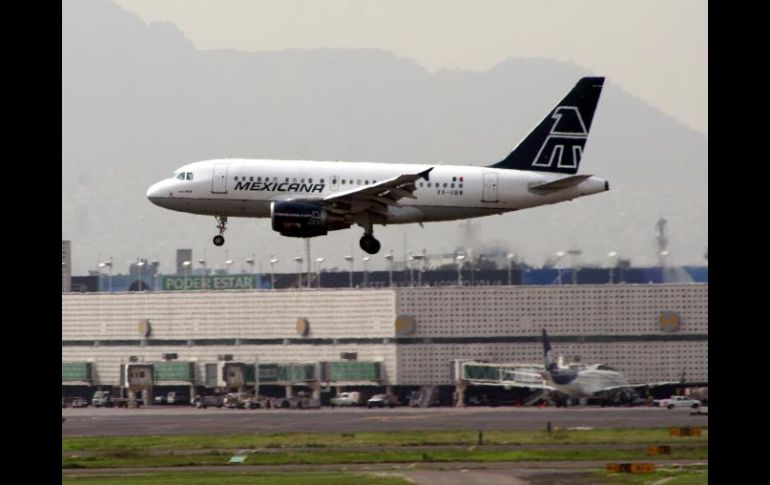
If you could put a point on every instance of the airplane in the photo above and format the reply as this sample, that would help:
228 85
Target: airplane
576 380
310 198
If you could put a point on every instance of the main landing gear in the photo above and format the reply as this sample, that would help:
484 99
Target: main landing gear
222 226
369 244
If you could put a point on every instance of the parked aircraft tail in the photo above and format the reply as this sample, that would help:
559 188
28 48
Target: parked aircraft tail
557 143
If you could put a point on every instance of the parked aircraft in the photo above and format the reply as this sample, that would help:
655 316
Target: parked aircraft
308 198
577 380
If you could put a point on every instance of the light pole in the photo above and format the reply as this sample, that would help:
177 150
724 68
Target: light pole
510 257
366 271
319 262
574 253
612 255
559 256
250 262
664 265
410 262
108 264
460 260
155 264
273 261
298 260
227 266
187 267
140 265
389 257
421 258
350 260
202 262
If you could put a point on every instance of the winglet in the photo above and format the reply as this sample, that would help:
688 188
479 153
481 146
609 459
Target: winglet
426 174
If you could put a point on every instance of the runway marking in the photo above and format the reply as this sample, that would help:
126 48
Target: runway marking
662 481
390 418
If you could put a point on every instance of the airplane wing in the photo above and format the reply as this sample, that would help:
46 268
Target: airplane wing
373 198
378 196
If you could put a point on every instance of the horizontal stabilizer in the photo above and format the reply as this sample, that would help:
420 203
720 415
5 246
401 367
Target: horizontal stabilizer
564 183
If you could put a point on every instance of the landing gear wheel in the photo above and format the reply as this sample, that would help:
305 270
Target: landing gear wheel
222 226
369 244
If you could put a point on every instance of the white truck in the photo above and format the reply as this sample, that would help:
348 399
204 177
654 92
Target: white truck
352 398
678 402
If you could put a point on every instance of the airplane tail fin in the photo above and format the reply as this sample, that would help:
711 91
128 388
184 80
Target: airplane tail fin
547 354
557 143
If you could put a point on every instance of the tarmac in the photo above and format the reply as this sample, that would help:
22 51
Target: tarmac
158 420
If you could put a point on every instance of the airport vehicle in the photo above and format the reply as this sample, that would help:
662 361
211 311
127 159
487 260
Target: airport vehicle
352 398
678 402
308 198
79 402
215 400
172 397
300 401
102 399
382 400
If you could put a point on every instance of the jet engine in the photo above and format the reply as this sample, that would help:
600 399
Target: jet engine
303 219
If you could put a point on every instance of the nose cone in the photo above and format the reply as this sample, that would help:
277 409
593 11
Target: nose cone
156 193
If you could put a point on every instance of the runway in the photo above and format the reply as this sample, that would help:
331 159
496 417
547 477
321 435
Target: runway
189 420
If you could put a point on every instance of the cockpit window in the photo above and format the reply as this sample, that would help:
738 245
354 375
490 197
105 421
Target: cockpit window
189 176
180 176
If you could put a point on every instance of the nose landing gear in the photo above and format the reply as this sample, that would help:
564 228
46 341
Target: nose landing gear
222 226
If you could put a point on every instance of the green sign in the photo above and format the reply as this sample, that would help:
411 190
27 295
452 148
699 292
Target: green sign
224 282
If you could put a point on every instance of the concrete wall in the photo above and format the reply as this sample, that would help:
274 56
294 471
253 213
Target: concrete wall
618 325
566 309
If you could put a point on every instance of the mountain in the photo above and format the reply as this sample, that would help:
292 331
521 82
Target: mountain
140 100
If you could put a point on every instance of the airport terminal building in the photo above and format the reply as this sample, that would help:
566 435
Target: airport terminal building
328 338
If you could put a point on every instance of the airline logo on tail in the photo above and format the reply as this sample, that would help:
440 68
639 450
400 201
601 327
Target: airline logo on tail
564 144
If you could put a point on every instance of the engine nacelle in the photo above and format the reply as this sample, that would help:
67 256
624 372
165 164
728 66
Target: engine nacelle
299 219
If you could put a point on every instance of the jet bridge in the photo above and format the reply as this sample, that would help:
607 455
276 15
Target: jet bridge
506 375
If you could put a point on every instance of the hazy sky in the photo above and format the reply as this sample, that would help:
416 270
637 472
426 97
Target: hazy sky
655 49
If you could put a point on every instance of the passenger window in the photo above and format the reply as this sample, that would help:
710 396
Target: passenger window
251 179
322 180
236 178
453 185
335 181
287 179
259 179
444 184
366 182
343 181
310 181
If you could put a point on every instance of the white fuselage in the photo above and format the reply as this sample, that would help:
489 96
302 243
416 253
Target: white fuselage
590 381
246 188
